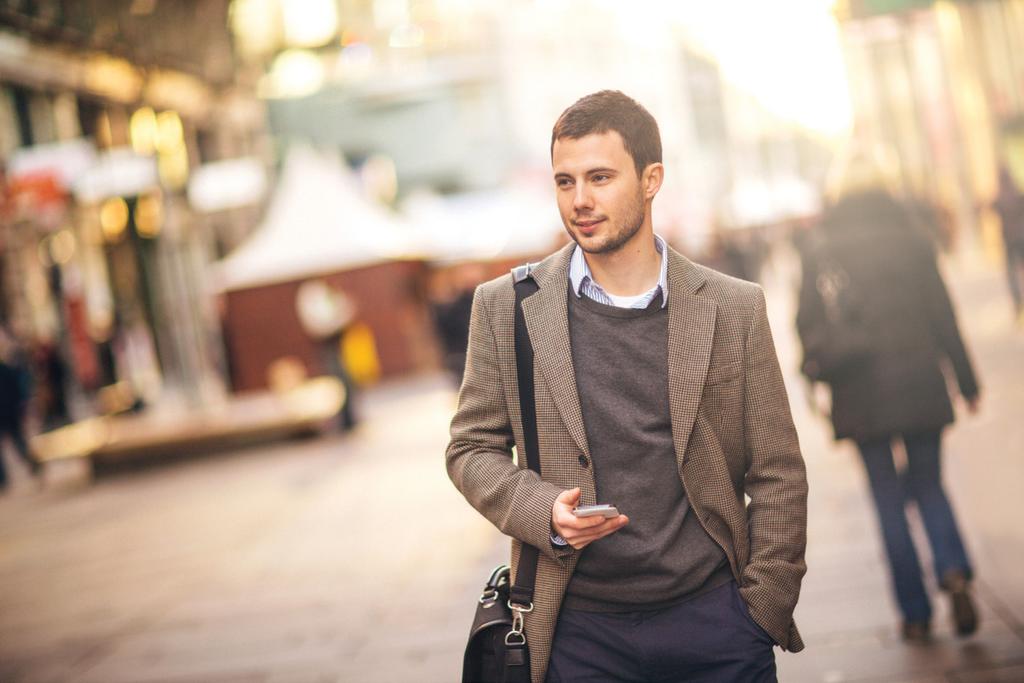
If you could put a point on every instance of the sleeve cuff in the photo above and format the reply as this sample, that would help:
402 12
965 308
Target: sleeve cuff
558 542
559 546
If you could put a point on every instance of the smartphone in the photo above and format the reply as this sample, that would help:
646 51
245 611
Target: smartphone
604 510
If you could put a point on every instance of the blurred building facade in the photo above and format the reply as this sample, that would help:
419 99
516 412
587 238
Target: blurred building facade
436 104
461 96
107 111
137 152
941 85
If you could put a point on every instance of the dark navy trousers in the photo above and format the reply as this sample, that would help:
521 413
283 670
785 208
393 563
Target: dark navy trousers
707 639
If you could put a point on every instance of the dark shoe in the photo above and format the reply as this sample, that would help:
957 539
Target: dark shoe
965 616
917 632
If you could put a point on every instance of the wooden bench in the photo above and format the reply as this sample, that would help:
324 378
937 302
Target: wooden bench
301 409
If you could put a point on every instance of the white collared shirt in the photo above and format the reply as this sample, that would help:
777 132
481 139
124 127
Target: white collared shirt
583 283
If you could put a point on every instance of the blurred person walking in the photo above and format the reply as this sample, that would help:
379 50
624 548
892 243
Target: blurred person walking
877 325
326 314
15 382
656 389
52 373
1009 204
451 311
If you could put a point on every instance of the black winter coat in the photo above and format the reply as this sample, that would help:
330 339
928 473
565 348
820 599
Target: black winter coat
12 396
897 385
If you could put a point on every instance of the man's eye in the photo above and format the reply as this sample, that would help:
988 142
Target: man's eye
600 177
563 182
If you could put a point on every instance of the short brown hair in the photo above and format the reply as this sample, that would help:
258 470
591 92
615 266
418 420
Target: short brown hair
608 110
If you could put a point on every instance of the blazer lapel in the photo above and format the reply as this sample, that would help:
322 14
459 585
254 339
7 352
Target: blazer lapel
691 332
547 319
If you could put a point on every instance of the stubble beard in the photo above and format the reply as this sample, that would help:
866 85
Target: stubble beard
630 226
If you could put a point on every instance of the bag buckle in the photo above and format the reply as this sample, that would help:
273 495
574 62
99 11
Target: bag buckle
515 638
497 578
516 635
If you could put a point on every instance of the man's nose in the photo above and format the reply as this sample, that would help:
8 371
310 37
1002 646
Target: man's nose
582 198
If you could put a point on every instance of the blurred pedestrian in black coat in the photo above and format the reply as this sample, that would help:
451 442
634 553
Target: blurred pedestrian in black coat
14 395
903 320
877 326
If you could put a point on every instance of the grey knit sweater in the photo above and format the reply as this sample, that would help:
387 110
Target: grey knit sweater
663 556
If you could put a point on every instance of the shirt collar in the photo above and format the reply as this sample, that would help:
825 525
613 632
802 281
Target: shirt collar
579 271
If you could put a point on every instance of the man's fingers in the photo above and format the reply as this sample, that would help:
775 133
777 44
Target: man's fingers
581 538
569 497
607 527
602 526
569 524
579 531
573 522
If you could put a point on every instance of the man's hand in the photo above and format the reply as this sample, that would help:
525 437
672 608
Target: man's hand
579 532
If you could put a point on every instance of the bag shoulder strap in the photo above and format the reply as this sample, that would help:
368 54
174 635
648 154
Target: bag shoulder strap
521 592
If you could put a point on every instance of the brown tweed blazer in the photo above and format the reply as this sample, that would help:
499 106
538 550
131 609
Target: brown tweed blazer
731 425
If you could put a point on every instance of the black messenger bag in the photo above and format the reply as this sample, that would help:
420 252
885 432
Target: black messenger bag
497 651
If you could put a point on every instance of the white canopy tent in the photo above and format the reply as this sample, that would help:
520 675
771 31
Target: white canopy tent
483 225
317 223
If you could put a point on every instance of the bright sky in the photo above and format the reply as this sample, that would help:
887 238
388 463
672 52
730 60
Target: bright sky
785 52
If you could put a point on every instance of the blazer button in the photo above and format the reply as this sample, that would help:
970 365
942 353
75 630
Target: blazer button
583 461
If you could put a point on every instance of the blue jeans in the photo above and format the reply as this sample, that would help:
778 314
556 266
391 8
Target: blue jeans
921 483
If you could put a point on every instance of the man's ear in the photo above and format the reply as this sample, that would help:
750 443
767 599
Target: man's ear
652 178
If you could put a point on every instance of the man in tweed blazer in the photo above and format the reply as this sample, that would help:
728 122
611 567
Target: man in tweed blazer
656 382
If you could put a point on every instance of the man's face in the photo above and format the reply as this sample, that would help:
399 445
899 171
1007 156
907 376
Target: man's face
600 197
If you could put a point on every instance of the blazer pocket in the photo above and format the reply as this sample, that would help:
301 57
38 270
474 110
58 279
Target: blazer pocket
723 374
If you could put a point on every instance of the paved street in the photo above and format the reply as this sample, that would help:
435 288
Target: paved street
353 559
